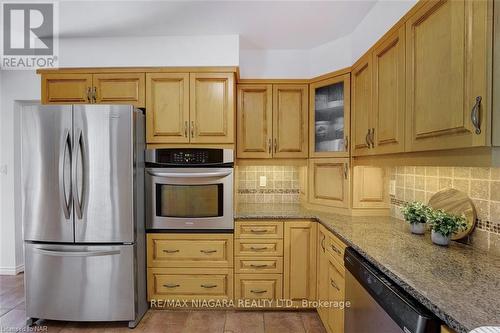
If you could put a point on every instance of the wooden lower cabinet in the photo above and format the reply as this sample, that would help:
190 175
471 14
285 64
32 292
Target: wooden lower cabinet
300 260
322 273
336 294
258 247
190 284
258 265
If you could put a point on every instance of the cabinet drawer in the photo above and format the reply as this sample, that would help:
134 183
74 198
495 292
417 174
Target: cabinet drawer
178 250
258 265
258 286
336 281
259 247
335 248
259 229
190 283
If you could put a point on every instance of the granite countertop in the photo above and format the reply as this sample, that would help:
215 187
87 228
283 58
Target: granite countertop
461 285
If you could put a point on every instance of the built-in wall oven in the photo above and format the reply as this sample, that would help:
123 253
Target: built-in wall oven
189 188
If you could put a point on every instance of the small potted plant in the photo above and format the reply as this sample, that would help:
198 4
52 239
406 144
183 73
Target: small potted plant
416 214
444 225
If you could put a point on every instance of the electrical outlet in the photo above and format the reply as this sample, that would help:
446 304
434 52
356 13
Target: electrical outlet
262 181
392 187
3 169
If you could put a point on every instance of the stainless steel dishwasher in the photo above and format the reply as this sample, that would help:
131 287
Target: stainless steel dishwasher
377 305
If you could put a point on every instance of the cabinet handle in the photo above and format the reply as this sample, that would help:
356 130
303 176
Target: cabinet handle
367 137
346 143
258 291
94 94
372 137
275 145
258 248
346 171
270 145
192 129
335 249
323 243
186 128
259 266
208 251
171 285
208 286
89 96
474 115
258 231
334 285
171 251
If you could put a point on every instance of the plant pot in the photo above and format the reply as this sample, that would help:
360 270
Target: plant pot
417 228
439 239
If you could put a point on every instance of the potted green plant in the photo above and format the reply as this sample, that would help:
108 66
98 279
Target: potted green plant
415 213
444 225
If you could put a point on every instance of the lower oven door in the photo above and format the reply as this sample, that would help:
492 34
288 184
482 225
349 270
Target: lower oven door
189 198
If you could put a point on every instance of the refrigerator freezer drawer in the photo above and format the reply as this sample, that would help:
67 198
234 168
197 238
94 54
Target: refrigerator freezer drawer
80 283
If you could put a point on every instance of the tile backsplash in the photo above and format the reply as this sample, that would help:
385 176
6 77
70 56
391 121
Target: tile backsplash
482 185
282 184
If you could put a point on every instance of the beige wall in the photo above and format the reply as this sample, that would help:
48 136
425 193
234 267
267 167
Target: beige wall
481 184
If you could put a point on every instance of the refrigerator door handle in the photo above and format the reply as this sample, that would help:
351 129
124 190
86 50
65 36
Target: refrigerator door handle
58 253
80 150
64 147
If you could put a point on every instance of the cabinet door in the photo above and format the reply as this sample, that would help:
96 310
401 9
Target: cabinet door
389 94
212 107
362 106
290 114
322 276
329 182
254 121
167 107
440 76
336 293
368 188
66 88
300 260
330 117
120 88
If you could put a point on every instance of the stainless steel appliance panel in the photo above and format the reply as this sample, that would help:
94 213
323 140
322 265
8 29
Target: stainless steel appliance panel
80 283
46 149
103 173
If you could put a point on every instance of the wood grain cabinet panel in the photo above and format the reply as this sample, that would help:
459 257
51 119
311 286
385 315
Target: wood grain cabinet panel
254 121
290 121
120 88
258 247
258 229
322 273
368 187
66 88
300 260
445 72
362 106
336 293
167 107
212 107
258 286
329 182
258 265
389 94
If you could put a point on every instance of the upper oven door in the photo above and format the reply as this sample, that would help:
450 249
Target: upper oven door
189 198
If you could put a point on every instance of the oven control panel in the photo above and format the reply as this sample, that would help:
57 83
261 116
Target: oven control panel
187 157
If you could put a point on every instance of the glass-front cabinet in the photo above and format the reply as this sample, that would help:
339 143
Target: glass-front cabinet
330 117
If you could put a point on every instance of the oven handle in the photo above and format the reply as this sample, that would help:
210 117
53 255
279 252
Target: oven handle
190 175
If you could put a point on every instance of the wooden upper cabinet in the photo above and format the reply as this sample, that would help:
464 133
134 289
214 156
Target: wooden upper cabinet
330 117
329 182
445 72
66 88
212 107
290 114
389 93
368 187
362 116
299 259
167 107
254 121
120 88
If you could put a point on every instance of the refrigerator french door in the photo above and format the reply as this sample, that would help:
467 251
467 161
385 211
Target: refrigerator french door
83 213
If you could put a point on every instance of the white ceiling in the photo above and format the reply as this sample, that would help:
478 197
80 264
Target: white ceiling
260 24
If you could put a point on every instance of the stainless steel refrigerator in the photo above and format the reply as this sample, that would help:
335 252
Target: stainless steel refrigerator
83 212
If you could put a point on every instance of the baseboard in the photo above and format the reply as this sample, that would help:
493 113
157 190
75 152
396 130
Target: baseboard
11 270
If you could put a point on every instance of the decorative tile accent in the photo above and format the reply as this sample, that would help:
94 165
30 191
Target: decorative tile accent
282 184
